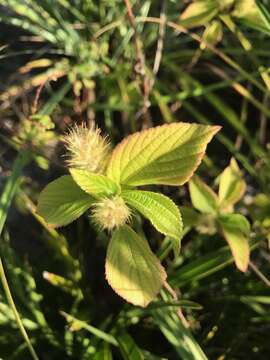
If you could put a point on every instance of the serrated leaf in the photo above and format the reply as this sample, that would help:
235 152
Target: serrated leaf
231 185
132 270
202 196
236 230
62 201
94 184
167 154
162 212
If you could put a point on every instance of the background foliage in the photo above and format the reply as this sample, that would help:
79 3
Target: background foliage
128 67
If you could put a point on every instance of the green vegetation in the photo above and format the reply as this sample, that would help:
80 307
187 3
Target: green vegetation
106 111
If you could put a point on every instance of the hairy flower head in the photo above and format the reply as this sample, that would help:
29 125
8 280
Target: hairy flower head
87 148
111 213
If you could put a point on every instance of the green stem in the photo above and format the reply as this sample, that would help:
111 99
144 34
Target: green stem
14 309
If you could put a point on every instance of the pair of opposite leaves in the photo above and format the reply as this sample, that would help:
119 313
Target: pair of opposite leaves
234 227
166 155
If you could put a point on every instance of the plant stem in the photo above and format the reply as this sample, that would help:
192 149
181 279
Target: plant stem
15 312
259 274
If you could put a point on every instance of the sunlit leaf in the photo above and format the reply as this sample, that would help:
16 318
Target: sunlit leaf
231 185
63 201
212 34
203 198
198 13
247 10
132 270
160 210
94 184
236 230
167 154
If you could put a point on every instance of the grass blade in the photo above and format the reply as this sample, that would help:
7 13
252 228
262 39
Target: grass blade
14 309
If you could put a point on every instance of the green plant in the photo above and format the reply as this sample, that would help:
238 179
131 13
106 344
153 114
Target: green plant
166 155
217 212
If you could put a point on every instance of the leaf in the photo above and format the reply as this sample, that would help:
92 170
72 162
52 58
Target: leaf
103 353
132 270
167 154
212 34
236 230
231 185
162 212
247 10
128 348
62 201
190 216
178 335
94 184
198 13
204 266
202 196
76 324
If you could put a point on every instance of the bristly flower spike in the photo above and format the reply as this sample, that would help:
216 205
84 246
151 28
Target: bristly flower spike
87 148
111 213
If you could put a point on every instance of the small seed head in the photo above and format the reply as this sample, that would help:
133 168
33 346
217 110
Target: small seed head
87 148
111 213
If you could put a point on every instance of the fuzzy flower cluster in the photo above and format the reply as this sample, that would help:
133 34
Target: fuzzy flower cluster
87 148
111 213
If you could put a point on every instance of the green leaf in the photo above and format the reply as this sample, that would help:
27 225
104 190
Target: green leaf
264 12
132 270
63 201
198 13
190 216
76 324
202 196
178 335
212 34
248 11
236 230
94 184
128 348
162 212
231 185
204 266
167 154
104 353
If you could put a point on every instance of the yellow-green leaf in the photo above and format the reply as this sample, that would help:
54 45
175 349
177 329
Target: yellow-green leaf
132 270
198 13
94 184
190 216
62 201
212 33
247 10
236 230
162 212
167 154
202 196
231 185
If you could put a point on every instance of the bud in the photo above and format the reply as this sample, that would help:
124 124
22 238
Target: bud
111 213
87 149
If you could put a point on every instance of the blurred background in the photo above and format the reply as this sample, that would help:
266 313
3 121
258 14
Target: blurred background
127 66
